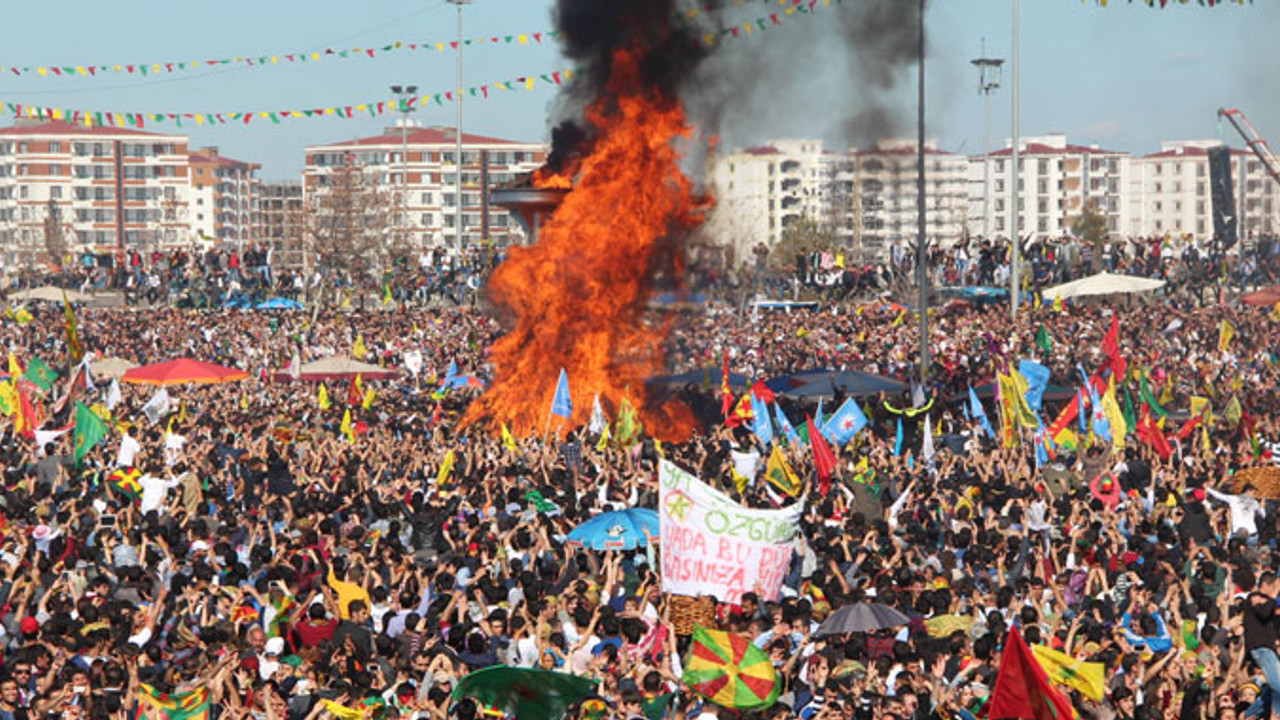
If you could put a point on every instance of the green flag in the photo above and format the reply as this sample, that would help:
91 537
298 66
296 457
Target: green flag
1130 420
90 430
1043 342
628 428
1150 399
40 374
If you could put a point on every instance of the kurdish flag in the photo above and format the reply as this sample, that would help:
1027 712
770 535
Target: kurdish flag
192 705
728 670
125 482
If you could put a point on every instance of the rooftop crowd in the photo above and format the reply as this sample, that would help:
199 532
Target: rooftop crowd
292 573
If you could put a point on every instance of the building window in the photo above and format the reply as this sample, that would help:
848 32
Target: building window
55 192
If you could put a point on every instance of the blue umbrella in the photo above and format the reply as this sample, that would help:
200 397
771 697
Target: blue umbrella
280 304
617 530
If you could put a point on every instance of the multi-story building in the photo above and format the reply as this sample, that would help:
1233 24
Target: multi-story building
883 180
761 191
1169 193
280 210
223 205
419 165
108 188
1057 179
866 197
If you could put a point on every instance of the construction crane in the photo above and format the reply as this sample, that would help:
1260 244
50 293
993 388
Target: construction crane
1253 140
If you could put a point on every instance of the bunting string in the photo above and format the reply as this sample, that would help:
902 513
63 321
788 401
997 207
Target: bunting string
270 59
373 108
786 8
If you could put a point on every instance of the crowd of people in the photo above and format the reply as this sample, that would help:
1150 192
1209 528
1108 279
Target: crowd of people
253 550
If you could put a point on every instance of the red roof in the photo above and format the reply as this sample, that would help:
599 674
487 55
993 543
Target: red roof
899 150
1042 149
427 136
1190 151
61 127
213 159
763 150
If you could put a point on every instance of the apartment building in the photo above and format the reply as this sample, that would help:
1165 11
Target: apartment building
866 197
107 189
223 200
1169 192
280 209
420 163
1057 179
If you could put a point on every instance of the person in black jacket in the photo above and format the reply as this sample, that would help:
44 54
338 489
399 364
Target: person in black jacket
1260 632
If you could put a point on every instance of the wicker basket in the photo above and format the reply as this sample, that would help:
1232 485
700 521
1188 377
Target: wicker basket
1263 481
689 611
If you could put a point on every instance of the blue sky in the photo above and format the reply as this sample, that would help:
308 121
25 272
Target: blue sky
1124 76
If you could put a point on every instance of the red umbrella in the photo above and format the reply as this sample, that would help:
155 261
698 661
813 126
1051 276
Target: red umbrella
1266 296
181 372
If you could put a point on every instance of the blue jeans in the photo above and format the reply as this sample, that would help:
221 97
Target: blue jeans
1267 661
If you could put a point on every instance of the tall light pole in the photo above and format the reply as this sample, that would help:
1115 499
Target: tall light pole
457 220
403 95
1015 209
988 82
922 274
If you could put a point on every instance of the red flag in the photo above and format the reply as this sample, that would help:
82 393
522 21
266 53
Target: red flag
1150 433
32 417
762 391
1189 426
353 394
741 413
726 394
1111 348
824 460
1022 687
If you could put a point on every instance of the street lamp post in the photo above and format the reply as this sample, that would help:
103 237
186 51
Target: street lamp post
988 82
1015 209
922 274
457 229
403 94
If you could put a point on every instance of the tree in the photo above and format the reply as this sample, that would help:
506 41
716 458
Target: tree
55 240
349 229
1091 226
802 236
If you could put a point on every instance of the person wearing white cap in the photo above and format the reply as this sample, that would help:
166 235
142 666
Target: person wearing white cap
269 660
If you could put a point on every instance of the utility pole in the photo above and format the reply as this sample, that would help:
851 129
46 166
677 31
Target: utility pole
1016 177
922 274
988 82
457 228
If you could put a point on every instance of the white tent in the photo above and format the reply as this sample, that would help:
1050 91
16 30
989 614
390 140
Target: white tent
49 293
1102 284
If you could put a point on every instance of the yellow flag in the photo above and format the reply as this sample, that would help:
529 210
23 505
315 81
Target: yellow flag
182 411
322 397
342 712
346 428
657 446
1226 331
1111 409
369 396
780 475
1087 677
1013 396
359 349
359 385
15 370
244 401
898 320
446 468
508 441
1275 312
1233 412
9 398
604 439
22 316
739 481
1057 304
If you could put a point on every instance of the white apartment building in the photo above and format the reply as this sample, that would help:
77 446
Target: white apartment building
1169 193
1057 180
223 204
761 190
884 179
111 188
868 197
427 175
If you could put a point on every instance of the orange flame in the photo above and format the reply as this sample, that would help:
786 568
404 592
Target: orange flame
579 294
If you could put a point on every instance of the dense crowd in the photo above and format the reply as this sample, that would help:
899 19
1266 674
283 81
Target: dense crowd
292 572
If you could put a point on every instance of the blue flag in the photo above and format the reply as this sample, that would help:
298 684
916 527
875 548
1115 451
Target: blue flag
897 443
562 405
1037 377
760 423
818 422
845 423
975 409
784 425
1084 429
1101 427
